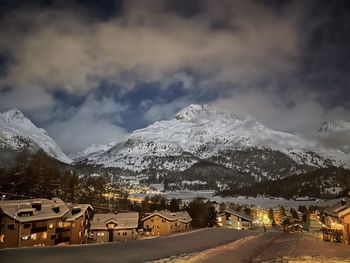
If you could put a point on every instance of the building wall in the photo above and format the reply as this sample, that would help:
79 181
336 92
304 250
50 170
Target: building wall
27 234
235 222
102 236
346 230
123 234
159 225
79 230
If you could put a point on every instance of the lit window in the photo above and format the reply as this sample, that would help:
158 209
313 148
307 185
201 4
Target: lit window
50 226
79 234
111 226
33 236
25 237
44 235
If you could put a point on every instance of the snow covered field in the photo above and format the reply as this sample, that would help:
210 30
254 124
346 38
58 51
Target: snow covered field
263 202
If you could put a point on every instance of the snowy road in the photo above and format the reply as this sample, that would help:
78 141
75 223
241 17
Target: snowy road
271 247
130 251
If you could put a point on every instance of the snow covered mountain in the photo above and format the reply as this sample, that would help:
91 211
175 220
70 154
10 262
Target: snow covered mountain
93 150
233 140
17 132
332 126
336 134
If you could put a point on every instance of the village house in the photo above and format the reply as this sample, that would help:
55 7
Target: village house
337 221
233 219
114 227
42 222
166 222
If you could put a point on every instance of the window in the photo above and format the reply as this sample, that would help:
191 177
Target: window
25 214
50 226
118 233
56 209
111 226
125 233
11 226
163 220
44 235
53 236
152 220
80 234
100 234
158 226
27 225
33 236
25 237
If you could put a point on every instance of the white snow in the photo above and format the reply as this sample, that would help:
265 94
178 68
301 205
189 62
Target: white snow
201 132
18 132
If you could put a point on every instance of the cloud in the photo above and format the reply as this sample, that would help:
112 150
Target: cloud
70 50
248 52
95 122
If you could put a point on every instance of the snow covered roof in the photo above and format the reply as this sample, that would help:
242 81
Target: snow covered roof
121 221
238 214
182 216
34 209
340 208
76 210
42 209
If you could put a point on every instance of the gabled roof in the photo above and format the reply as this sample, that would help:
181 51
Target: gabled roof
76 210
182 216
238 214
340 208
121 221
50 209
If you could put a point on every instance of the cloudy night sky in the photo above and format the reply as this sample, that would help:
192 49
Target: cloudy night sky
93 71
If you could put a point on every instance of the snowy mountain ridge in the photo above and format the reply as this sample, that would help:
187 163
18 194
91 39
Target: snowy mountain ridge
206 133
18 132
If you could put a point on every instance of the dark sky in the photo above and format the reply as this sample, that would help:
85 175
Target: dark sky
92 71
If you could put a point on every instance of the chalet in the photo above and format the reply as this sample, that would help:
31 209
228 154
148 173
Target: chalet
114 227
233 219
337 220
42 222
166 222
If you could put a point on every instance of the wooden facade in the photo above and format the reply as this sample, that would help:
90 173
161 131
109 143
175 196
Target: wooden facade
235 220
42 222
114 227
165 222
337 220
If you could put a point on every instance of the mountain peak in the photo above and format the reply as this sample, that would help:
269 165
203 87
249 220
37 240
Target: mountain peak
13 114
195 111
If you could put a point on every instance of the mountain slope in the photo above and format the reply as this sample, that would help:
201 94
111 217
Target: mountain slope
17 133
335 134
200 133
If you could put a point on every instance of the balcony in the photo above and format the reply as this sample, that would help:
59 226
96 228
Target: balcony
38 229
